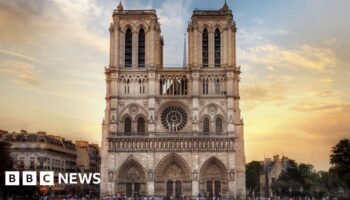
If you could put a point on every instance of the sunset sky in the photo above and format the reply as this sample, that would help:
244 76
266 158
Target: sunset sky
295 89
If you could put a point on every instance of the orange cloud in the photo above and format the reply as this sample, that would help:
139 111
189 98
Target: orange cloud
21 72
305 57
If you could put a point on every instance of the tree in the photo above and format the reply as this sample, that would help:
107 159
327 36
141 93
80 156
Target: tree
340 161
6 164
253 171
296 179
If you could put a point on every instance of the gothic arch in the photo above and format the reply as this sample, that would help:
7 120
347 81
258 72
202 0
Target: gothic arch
219 27
203 123
172 168
219 116
142 25
131 178
204 26
127 25
208 110
219 127
141 124
213 177
130 110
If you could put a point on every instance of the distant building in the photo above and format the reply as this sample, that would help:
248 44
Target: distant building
88 161
39 152
272 169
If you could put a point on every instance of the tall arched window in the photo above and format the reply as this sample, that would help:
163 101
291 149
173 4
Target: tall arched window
141 125
218 125
127 125
217 48
128 48
205 53
206 125
141 60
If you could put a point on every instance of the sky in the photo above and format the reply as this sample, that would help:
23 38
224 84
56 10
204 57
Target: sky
294 57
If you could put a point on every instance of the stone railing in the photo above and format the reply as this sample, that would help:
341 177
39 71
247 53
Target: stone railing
127 144
170 134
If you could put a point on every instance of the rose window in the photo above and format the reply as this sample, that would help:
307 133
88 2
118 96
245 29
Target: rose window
174 118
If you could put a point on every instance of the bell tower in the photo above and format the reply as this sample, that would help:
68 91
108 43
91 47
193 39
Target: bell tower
135 40
212 38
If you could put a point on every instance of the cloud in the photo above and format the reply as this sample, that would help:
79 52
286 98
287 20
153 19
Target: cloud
253 95
61 22
303 57
21 72
307 107
18 55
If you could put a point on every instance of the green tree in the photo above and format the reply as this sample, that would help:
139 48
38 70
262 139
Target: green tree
253 171
6 164
296 179
340 161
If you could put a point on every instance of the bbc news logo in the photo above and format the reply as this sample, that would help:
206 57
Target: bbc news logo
46 178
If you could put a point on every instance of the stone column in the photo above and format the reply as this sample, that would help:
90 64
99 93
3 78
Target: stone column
116 48
211 46
112 47
195 100
135 48
121 40
151 101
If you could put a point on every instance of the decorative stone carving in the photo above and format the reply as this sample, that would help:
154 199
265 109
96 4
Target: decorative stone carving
212 110
174 118
134 109
195 175
232 174
150 175
121 104
110 176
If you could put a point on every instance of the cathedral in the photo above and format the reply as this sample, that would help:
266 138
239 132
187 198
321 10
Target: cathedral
172 131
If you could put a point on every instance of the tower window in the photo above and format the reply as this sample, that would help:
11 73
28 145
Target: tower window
217 48
128 48
218 124
206 125
205 53
141 60
127 125
141 125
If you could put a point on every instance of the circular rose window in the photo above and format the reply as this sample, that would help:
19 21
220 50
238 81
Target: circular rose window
174 118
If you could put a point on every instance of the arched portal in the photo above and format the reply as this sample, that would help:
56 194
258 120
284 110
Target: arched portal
173 177
213 178
131 179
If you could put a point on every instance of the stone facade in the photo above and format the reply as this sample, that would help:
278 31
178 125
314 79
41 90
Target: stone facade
88 161
172 131
42 152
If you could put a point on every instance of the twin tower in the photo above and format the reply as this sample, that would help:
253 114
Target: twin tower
172 131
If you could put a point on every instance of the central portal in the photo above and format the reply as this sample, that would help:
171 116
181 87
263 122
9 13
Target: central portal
173 177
